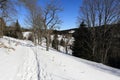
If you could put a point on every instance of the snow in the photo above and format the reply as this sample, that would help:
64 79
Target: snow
26 34
9 62
72 31
64 67
22 60
68 41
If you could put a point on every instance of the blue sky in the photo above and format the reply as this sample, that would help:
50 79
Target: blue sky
68 15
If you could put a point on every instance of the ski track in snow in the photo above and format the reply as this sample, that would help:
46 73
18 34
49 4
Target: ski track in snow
29 69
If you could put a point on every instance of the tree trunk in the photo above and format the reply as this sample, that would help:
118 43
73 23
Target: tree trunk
47 43
40 40
105 57
35 38
66 50
93 52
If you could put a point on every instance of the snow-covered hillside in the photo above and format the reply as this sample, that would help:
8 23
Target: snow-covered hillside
21 60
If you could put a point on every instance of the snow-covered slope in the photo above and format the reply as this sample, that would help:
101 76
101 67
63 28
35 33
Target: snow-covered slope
21 60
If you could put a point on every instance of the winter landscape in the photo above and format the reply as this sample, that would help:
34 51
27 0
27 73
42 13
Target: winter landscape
32 47
22 60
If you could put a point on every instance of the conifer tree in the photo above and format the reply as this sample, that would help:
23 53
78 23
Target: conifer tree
81 46
62 43
55 42
18 30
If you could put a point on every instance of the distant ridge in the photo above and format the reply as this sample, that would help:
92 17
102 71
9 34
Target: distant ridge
67 31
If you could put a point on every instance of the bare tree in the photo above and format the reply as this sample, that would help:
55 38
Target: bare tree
50 19
110 16
67 37
7 10
34 19
89 16
45 21
100 12
97 13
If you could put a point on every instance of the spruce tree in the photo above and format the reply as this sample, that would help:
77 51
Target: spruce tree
62 43
17 26
81 46
55 42
18 30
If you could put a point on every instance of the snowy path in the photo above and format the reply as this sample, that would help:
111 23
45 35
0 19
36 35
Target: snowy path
20 63
29 68
10 59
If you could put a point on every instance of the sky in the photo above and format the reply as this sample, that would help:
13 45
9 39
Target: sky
68 15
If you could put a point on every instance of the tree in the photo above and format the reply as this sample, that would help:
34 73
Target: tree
3 13
82 43
88 10
67 38
18 31
97 13
17 27
2 26
50 19
43 19
7 11
34 19
62 42
100 12
55 42
31 37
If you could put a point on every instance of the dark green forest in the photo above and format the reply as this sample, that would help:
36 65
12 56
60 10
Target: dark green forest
105 44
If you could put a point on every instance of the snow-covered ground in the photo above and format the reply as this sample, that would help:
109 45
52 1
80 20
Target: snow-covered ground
26 34
21 60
